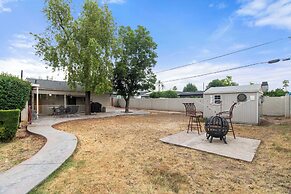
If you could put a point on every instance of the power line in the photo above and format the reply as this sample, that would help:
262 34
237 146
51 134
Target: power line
225 70
223 55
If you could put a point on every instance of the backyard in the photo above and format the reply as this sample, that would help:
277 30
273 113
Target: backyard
124 155
23 147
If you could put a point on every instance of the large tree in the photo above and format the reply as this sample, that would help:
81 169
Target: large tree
135 57
190 88
223 82
80 46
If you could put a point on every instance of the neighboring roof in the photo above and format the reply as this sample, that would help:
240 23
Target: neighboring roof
197 93
53 85
234 89
141 93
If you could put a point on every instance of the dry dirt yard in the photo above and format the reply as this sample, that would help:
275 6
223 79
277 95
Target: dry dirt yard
22 147
124 155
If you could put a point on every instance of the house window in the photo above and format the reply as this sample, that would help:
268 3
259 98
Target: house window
217 99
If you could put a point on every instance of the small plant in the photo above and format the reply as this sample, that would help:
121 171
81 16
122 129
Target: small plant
8 124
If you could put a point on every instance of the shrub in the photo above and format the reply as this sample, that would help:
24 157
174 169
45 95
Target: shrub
169 94
164 94
276 93
8 124
14 92
155 95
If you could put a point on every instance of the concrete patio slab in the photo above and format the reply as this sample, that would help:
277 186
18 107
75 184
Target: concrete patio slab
60 145
239 148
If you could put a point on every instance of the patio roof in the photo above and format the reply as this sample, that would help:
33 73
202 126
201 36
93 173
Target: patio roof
53 85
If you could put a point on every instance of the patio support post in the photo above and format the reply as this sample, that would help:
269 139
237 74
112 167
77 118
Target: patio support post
65 100
32 100
37 102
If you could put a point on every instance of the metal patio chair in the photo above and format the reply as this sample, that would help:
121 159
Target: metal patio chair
228 116
194 117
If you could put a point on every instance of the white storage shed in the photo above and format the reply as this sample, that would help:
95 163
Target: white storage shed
249 107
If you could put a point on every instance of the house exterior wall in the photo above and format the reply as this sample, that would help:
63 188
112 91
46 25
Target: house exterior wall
103 99
245 112
57 98
24 113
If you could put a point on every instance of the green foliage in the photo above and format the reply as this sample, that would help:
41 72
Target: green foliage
14 92
81 46
275 93
164 94
190 88
135 57
155 94
169 94
8 124
285 83
223 82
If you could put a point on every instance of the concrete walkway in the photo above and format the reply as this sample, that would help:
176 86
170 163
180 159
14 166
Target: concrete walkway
58 148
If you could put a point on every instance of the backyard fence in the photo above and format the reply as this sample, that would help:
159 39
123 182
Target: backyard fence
164 104
272 106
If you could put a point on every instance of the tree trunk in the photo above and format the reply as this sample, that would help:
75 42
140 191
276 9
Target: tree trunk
127 104
87 103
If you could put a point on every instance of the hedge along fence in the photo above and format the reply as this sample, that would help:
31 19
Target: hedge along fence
14 92
8 124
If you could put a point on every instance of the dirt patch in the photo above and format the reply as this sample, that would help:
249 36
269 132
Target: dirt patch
124 155
22 147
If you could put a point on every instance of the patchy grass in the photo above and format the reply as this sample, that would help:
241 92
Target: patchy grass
161 176
22 147
69 164
124 155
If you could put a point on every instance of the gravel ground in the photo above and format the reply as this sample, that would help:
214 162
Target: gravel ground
124 155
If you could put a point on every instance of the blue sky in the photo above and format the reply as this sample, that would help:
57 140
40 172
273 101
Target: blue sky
185 31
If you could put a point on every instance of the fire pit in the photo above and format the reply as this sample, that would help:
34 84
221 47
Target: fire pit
217 127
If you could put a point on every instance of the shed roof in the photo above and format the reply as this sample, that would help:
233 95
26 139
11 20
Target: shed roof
53 85
235 89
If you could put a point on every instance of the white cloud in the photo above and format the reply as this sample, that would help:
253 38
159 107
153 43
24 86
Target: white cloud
223 28
32 68
276 13
238 46
3 7
21 41
220 5
113 1
273 73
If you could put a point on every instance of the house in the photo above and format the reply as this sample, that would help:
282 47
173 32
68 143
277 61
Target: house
47 94
249 98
